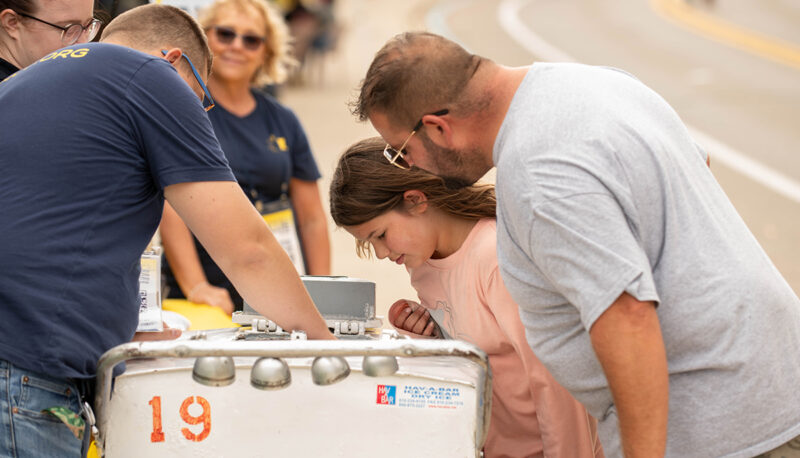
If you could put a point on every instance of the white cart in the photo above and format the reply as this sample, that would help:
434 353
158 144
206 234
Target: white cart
424 398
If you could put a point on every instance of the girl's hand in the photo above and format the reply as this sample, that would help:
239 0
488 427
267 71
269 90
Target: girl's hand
412 317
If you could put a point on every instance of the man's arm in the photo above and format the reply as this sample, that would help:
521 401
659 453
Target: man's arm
628 343
235 235
312 224
184 262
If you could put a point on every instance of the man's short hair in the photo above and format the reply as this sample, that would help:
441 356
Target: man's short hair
413 74
157 26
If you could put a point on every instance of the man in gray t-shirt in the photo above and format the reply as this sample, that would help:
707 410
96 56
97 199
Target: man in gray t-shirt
641 288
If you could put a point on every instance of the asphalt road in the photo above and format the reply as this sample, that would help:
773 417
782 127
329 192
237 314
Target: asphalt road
731 69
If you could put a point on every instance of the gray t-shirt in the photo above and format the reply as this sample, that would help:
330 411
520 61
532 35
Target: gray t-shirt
602 191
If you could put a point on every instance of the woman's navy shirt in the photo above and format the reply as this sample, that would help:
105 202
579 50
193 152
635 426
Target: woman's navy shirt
265 150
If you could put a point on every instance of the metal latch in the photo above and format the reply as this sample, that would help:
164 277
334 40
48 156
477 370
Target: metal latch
265 325
343 327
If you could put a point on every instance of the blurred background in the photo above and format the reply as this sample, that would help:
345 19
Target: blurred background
730 68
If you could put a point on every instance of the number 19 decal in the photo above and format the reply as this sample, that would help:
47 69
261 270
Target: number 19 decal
158 434
205 418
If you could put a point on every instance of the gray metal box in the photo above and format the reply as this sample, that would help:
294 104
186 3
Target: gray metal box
347 304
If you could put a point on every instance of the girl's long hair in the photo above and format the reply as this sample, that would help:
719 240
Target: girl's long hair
365 185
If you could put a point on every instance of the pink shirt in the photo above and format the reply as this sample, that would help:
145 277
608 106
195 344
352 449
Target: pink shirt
532 415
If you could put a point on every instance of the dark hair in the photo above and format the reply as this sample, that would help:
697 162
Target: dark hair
20 6
415 73
155 26
365 185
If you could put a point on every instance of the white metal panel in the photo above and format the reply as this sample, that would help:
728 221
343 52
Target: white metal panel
431 413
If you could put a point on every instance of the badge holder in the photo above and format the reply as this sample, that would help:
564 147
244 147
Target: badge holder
279 216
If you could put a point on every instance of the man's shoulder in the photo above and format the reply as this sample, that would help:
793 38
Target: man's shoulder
95 65
120 50
111 54
576 70
554 93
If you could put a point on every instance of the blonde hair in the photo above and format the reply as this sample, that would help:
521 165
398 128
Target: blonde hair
365 185
278 61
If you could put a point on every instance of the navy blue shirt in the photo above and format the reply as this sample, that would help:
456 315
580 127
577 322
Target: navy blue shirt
91 135
6 69
265 150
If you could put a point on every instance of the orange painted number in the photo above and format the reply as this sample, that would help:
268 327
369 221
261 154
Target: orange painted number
204 418
158 433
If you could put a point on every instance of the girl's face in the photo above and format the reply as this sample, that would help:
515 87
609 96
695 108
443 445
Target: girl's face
237 40
406 237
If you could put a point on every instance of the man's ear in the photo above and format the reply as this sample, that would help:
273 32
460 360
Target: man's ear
173 56
9 21
415 202
439 128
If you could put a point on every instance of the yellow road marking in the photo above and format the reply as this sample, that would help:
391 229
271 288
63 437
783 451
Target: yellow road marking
774 49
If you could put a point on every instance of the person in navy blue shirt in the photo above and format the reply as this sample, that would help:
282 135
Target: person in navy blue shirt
29 31
265 145
94 138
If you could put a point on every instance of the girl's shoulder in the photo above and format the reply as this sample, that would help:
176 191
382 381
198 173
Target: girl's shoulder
484 235
481 243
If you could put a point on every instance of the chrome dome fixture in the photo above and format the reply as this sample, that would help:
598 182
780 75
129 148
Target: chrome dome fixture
379 366
214 370
270 374
326 370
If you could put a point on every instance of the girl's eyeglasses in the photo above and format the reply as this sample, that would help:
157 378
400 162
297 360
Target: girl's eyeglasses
226 35
71 33
208 102
397 157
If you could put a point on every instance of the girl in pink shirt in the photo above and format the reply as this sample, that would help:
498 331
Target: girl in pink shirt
446 239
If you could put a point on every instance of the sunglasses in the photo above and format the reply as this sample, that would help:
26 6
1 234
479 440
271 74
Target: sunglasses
208 102
227 35
397 157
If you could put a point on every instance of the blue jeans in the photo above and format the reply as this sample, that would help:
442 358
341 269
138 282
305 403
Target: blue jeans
24 430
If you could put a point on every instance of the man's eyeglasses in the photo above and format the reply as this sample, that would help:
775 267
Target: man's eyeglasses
397 157
71 33
208 102
226 35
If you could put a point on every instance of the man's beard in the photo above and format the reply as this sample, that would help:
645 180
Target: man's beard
454 183
455 167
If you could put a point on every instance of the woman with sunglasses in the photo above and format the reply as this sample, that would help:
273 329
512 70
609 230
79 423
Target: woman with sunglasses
29 31
265 145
